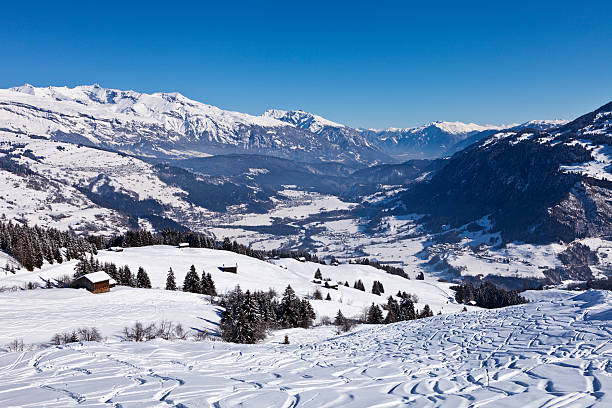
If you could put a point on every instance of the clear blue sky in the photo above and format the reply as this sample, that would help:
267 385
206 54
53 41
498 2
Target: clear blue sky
370 64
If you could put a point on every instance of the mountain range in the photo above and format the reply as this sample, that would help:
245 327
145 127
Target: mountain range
170 126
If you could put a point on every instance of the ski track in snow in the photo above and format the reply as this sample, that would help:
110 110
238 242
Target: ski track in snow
548 354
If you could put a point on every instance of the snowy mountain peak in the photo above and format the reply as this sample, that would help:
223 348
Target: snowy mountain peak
301 119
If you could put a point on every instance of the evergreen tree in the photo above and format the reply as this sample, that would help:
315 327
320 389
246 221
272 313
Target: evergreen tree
393 309
306 314
317 295
142 279
374 315
328 297
192 281
289 309
426 312
208 285
340 319
170 281
318 274
406 309
359 285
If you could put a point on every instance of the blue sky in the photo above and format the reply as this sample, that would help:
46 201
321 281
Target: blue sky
366 64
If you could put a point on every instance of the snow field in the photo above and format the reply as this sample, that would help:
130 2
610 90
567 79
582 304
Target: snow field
550 353
36 315
254 274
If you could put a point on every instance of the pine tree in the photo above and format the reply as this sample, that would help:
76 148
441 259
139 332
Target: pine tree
142 279
170 281
340 319
374 315
208 285
306 314
426 312
407 311
192 281
318 274
289 309
317 295
393 309
328 297
359 285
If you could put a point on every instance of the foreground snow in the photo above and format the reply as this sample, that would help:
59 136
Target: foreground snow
552 353
36 315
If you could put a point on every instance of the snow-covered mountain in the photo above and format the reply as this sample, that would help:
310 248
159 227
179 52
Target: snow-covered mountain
165 125
433 140
169 125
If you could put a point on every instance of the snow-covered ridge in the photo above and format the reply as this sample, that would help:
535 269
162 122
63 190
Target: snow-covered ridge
301 119
453 128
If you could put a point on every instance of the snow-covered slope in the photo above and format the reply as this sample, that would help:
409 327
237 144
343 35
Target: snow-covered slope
46 312
254 274
53 184
549 353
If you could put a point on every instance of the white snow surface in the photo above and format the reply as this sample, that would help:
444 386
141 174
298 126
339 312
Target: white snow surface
45 312
549 353
254 274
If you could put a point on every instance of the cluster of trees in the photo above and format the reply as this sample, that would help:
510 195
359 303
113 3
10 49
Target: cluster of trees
393 270
32 246
248 316
487 295
359 285
398 311
377 288
604 284
193 283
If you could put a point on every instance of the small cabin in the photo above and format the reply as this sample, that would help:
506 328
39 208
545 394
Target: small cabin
302 259
116 249
96 282
335 263
317 281
230 269
183 245
328 285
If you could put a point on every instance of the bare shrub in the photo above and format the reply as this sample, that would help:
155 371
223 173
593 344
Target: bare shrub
200 335
15 345
65 281
165 330
325 321
89 334
31 286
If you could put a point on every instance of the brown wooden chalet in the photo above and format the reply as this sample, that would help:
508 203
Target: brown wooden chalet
96 282
230 269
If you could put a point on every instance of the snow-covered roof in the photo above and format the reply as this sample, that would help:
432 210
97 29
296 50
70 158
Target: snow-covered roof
97 277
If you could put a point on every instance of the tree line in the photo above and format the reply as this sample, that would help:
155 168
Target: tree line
487 295
32 246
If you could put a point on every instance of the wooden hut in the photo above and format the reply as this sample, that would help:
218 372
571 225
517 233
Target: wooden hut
230 269
96 282
183 245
